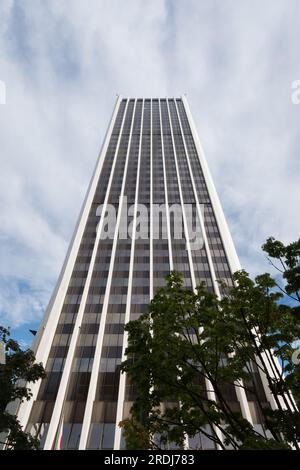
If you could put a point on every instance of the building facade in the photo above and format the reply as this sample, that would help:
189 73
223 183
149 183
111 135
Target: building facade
151 169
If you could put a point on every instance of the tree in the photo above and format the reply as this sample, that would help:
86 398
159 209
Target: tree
288 266
190 351
17 371
286 260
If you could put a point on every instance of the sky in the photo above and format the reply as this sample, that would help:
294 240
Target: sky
62 62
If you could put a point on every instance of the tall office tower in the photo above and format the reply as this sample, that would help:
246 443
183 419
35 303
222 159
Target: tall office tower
151 167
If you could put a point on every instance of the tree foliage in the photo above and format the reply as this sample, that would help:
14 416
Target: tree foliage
286 261
18 371
191 352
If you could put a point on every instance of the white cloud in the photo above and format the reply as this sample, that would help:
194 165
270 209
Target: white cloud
63 63
240 96
20 304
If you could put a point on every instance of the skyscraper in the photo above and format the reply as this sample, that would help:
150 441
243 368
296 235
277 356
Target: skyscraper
151 172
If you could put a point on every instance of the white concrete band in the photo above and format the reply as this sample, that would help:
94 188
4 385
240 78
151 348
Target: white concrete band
151 209
122 383
166 191
97 357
